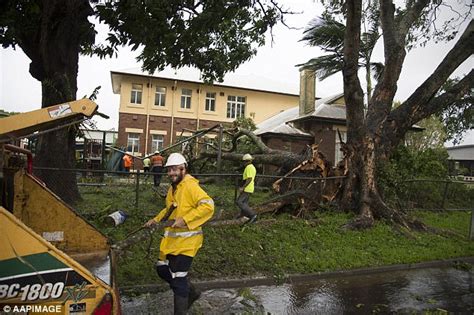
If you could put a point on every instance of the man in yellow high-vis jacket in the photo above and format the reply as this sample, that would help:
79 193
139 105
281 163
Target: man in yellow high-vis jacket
190 207
247 189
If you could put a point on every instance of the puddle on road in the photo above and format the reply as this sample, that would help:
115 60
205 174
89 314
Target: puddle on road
401 291
410 291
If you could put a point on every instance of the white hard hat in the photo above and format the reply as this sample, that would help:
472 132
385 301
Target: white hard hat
157 152
175 159
247 157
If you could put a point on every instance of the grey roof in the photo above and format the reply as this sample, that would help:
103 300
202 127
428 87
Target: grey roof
279 124
323 108
283 122
461 153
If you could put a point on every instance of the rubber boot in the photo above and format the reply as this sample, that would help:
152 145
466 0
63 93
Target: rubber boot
194 294
180 305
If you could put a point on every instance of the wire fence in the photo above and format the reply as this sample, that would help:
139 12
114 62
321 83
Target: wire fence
440 195
414 194
100 189
437 195
141 188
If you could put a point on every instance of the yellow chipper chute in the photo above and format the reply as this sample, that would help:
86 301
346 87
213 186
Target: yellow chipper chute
51 259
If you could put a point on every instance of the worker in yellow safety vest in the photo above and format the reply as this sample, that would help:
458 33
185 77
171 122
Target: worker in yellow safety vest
247 189
190 207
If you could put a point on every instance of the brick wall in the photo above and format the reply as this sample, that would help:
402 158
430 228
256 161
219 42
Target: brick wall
291 144
326 137
162 123
130 121
322 133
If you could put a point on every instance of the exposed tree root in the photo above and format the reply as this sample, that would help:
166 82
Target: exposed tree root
400 221
359 223
380 210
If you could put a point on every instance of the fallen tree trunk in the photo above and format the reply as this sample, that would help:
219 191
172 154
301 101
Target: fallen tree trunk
305 193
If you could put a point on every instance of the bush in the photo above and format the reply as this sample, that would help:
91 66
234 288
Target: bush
405 165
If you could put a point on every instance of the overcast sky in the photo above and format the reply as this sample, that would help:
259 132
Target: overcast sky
20 92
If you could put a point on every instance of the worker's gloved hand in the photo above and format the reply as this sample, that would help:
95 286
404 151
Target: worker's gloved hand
150 223
179 223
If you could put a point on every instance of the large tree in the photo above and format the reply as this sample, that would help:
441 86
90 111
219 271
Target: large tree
373 135
215 36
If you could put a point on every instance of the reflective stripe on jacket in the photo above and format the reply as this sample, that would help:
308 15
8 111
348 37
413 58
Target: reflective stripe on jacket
195 206
157 160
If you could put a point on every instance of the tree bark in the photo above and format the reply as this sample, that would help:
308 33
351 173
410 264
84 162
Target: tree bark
360 191
54 53
424 102
354 99
373 137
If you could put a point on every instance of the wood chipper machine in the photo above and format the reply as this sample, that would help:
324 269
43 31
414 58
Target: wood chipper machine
51 259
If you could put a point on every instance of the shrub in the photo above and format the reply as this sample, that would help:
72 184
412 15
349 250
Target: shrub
406 164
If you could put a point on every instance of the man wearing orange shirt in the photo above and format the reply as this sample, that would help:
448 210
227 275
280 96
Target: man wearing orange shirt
157 167
127 162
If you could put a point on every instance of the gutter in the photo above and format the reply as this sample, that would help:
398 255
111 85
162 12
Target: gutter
265 280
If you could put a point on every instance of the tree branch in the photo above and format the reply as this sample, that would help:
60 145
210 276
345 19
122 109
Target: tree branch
413 12
454 93
395 32
403 118
255 139
266 156
277 158
413 109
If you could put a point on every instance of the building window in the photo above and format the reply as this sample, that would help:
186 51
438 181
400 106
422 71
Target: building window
136 96
339 155
211 102
235 106
160 96
186 98
133 142
157 142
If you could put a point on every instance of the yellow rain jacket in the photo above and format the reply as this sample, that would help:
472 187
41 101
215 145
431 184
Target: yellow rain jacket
195 206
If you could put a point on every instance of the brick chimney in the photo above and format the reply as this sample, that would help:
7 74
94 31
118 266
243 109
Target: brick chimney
307 90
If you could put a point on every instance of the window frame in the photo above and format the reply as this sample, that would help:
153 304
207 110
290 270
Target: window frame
338 155
135 142
160 96
136 94
236 106
186 98
157 147
210 102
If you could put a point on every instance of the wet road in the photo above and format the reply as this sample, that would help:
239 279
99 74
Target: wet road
401 292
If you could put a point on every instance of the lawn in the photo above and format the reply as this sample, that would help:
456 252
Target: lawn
279 244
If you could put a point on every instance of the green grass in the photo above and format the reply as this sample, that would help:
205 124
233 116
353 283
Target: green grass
273 247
